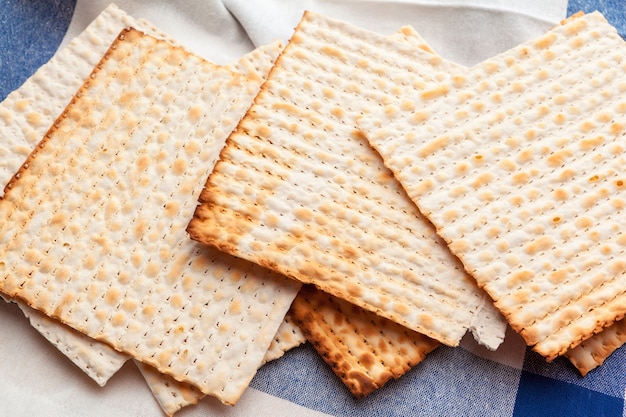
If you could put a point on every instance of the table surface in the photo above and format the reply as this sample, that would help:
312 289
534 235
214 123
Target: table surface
460 381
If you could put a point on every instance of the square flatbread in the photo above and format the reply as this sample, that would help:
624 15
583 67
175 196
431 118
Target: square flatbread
47 90
594 351
94 222
298 191
27 114
519 164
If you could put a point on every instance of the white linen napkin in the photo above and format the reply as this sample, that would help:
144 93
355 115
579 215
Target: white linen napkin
464 31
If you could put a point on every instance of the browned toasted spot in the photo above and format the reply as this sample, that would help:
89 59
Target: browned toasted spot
419 116
355 290
557 159
560 194
112 296
195 113
540 244
333 52
427 319
179 166
401 308
460 246
557 277
520 277
118 318
424 186
617 267
521 296
545 41
590 143
617 128
364 384
433 93
304 214
482 179
433 146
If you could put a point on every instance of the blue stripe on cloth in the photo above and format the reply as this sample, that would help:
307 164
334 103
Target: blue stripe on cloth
613 10
539 396
609 379
450 382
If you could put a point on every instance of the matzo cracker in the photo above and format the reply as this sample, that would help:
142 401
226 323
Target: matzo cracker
593 351
28 112
518 162
296 190
112 255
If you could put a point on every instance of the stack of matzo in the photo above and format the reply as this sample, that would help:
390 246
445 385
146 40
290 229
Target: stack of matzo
298 134
353 232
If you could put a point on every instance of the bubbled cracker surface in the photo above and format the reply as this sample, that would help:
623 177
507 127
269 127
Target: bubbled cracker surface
46 90
33 108
363 349
118 176
519 164
298 191
593 351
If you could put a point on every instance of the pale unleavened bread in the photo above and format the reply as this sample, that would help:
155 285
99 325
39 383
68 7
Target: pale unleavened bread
592 352
118 176
298 191
28 112
363 349
518 163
